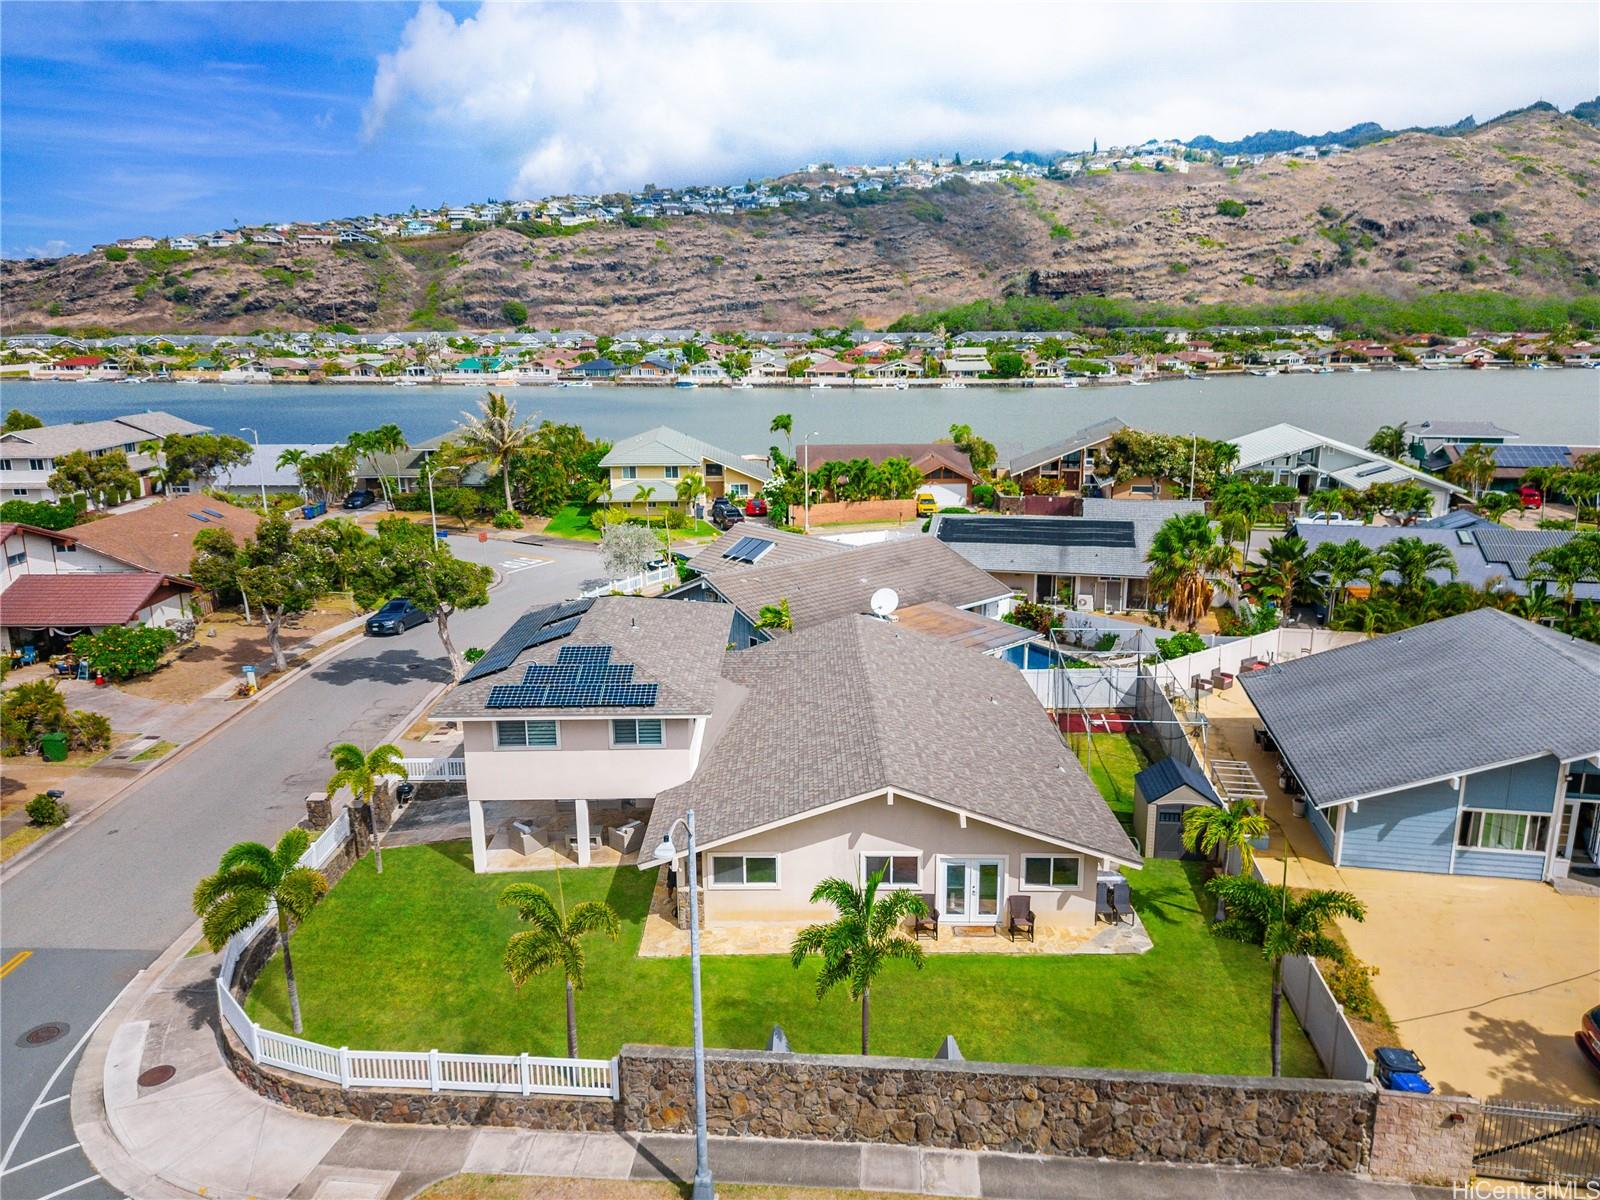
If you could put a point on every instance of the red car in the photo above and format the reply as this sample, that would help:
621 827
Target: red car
755 507
1588 1037
1532 497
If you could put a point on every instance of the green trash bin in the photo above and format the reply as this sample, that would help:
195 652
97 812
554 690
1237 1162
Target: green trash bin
53 747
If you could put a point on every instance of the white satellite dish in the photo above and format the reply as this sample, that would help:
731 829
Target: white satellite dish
884 601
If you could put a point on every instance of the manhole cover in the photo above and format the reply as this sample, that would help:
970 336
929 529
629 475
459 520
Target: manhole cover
43 1035
156 1076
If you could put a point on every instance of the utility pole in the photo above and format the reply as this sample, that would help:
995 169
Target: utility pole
260 468
1194 445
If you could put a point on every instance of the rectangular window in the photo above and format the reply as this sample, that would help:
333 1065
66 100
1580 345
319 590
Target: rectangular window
1169 816
36 464
1050 871
744 870
630 472
17 559
70 549
1503 831
636 732
19 491
899 870
5 464
713 470
534 735
670 472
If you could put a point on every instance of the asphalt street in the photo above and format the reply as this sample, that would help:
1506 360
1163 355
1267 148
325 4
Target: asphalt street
80 918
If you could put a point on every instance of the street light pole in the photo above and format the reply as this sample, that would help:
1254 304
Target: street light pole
427 466
665 852
262 476
1194 446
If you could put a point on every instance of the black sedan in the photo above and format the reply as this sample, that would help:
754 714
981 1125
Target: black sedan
360 498
395 617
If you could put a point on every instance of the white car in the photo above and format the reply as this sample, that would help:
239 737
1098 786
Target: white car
1327 518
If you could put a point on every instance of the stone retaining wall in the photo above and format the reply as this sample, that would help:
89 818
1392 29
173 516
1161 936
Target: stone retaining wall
1307 1125
1424 1139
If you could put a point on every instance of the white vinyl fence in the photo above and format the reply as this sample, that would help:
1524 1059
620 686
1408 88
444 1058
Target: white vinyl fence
422 770
519 1074
1323 1019
635 584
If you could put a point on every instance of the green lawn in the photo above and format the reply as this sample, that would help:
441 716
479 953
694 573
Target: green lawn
573 522
410 960
1113 761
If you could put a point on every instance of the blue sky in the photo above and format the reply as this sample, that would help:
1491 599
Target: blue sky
164 118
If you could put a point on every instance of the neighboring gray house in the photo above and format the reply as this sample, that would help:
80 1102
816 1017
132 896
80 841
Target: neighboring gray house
28 456
1098 558
1467 746
1162 793
1486 554
262 470
823 587
1311 462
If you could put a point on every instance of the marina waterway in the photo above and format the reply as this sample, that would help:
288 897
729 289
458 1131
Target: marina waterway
1542 406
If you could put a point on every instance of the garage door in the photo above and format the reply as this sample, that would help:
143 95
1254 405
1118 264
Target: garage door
946 495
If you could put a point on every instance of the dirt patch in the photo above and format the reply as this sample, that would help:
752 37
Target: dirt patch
534 1187
220 651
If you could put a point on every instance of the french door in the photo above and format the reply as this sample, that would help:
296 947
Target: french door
970 890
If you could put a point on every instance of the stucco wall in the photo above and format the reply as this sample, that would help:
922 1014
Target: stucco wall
585 765
832 843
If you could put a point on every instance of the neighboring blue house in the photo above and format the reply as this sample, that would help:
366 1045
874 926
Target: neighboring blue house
597 368
1468 746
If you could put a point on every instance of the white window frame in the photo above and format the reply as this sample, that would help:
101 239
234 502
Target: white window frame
669 472
1026 886
660 725
711 872
499 745
891 855
630 472
1471 820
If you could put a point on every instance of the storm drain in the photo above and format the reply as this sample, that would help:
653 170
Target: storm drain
43 1035
156 1076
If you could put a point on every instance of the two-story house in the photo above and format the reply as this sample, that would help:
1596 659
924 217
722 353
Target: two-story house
28 456
658 459
1311 462
1072 465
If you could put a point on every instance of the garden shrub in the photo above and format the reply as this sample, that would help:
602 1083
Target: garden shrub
1106 641
983 495
676 519
507 519
411 502
88 730
119 652
1179 644
46 810
1029 614
43 514
27 712
1351 984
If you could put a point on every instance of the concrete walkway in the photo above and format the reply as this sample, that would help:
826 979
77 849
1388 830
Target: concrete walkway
202 1133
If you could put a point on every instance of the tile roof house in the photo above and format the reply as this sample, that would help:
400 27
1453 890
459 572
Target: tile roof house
160 537
971 800
1099 556
658 458
819 589
946 472
1405 766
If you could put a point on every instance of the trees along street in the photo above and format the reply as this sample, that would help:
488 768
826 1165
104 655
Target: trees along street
108 894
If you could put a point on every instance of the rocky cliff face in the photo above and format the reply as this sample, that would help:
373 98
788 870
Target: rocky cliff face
1514 206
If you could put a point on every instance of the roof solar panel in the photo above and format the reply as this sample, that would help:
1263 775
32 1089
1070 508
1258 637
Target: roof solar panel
1375 469
197 517
1531 456
211 512
584 654
747 549
534 628
1039 531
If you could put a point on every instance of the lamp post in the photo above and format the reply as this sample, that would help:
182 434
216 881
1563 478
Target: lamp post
433 517
665 853
805 482
261 477
1194 446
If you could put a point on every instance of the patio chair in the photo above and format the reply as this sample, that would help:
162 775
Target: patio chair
30 655
927 925
1019 917
1221 680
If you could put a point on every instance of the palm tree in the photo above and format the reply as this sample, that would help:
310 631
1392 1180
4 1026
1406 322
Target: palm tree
643 496
1282 923
360 773
1569 564
554 942
1412 559
1284 563
1538 605
1234 525
775 616
784 423
1343 563
495 436
690 487
857 943
1388 440
1474 469
1183 556
1215 832
249 879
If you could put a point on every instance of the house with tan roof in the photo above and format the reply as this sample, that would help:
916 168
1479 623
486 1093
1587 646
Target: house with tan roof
947 473
160 537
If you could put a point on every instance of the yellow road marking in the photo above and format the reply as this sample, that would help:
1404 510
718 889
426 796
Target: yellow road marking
15 961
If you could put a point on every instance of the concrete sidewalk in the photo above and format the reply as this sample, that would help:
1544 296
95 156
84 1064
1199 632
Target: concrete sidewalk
201 1132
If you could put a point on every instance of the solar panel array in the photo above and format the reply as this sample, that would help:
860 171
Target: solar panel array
581 677
1531 456
747 549
1039 531
527 631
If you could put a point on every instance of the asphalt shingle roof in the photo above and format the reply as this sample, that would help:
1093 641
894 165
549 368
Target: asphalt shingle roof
936 619
662 446
919 454
160 537
53 441
1051 552
1451 696
1098 432
679 647
819 589
786 548
858 715
1167 776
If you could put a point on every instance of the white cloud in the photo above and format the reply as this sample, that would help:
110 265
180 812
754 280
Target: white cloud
54 248
600 96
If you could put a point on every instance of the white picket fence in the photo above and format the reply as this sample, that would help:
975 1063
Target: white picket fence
635 584
518 1074
421 770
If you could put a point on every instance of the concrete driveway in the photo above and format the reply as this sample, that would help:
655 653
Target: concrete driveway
1485 979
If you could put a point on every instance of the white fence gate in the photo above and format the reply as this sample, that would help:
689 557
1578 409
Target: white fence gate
422 770
519 1074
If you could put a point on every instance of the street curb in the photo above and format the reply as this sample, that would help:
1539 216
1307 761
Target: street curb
90 815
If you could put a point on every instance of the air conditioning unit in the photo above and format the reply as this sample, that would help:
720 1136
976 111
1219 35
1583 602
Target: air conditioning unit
1083 603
